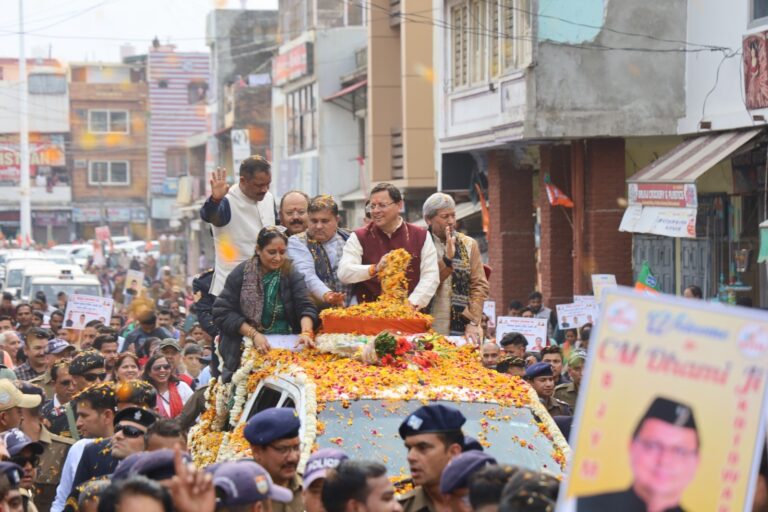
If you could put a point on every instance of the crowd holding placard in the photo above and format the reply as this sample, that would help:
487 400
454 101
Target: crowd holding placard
94 414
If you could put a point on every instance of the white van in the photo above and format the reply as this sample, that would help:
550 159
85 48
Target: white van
86 284
14 274
45 269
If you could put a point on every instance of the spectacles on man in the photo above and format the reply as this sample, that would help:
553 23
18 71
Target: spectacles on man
656 448
378 206
129 431
23 460
286 449
93 377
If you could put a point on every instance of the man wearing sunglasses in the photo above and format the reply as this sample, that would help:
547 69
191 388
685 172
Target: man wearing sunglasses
87 368
275 444
95 419
26 453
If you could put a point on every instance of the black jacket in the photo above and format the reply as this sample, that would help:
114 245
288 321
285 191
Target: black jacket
228 317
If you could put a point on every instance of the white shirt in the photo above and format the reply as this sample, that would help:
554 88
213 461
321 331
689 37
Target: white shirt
305 264
351 269
68 474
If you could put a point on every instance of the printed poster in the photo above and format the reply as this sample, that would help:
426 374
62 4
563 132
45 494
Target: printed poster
81 309
133 286
534 330
601 282
671 408
573 316
489 309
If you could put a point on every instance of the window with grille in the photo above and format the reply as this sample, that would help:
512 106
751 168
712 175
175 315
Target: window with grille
302 119
109 174
459 34
108 121
759 9
488 38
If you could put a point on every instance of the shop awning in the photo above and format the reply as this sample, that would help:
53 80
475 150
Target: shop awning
352 98
693 157
663 197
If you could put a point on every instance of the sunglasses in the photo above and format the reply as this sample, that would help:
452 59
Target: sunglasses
161 367
23 460
93 377
129 431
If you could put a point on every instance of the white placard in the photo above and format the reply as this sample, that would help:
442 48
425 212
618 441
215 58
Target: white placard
571 316
241 149
602 282
81 309
489 309
534 330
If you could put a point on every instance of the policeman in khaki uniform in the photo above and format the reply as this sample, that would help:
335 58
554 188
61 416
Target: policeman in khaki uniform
275 445
569 391
542 380
432 436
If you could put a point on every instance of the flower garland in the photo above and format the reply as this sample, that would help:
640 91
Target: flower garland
455 376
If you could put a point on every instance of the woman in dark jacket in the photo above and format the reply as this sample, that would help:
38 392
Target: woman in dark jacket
263 295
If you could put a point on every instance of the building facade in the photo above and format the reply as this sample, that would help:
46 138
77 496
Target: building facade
108 105
529 93
50 177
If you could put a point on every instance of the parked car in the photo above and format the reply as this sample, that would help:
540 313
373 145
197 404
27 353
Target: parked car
85 284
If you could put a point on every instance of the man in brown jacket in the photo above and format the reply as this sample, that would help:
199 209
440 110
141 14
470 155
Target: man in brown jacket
457 307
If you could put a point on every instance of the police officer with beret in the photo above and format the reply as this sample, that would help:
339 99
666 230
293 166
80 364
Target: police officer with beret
243 484
666 431
432 436
542 380
274 437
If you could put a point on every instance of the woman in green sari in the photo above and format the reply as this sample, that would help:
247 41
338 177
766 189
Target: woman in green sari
263 295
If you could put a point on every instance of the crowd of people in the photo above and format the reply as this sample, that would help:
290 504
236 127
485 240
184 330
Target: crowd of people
97 418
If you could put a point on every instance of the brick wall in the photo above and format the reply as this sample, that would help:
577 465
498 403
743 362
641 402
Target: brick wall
607 250
556 253
511 244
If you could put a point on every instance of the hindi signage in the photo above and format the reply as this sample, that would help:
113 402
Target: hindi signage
671 407
81 309
534 330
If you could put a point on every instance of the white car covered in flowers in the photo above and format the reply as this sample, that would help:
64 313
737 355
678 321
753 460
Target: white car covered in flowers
356 406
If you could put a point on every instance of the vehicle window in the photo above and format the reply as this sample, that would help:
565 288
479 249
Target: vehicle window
51 290
14 277
267 397
367 429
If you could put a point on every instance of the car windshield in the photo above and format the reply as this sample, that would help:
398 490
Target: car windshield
367 429
15 275
52 290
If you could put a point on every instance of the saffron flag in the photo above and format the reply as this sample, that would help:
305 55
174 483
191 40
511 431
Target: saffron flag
646 282
556 196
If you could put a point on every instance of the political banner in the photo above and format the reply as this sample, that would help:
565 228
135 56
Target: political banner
81 309
489 310
572 316
585 299
534 330
671 407
602 282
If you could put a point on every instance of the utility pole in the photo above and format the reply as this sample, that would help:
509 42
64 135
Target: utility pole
25 215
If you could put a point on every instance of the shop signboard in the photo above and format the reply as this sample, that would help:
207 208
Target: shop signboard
680 195
56 219
672 406
294 63
44 150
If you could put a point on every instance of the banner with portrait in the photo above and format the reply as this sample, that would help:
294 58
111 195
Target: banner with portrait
671 407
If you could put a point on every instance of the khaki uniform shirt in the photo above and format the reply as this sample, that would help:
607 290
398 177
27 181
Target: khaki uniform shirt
55 449
296 504
557 407
46 382
416 501
28 497
567 393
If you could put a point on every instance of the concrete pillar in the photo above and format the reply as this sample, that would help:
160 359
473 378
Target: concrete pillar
511 244
556 251
608 251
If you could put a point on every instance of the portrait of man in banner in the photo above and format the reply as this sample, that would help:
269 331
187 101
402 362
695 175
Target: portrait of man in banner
664 457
